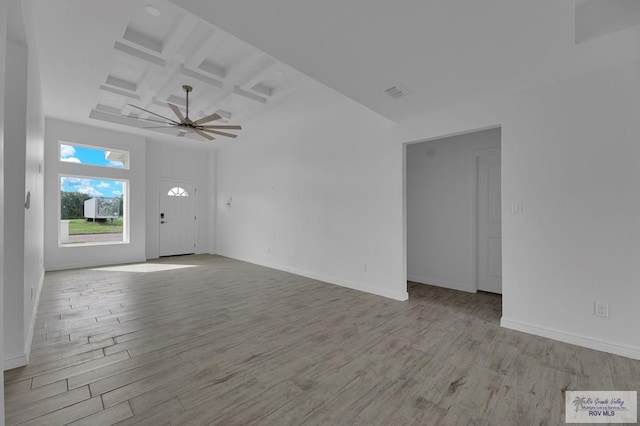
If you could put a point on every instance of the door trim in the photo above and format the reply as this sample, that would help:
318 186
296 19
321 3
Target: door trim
177 181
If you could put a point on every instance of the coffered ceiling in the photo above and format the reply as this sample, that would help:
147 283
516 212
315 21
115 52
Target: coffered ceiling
395 58
98 57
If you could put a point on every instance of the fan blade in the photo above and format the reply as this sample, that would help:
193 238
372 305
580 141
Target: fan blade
222 127
145 119
176 111
151 112
181 134
215 132
207 119
204 135
160 127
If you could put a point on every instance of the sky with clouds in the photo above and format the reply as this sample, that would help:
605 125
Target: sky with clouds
85 155
91 187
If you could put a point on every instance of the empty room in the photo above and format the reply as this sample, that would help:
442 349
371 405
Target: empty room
329 213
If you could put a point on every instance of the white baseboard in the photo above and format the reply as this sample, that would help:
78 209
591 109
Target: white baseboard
574 339
440 283
401 296
34 313
15 362
23 359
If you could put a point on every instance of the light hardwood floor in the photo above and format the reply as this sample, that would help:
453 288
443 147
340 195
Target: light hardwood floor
230 343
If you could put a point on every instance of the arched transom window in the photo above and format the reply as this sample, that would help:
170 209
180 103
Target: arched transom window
177 191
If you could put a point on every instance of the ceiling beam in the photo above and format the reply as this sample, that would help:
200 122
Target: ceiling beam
118 92
139 54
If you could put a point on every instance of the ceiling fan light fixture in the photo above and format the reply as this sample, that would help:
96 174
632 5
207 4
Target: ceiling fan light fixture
183 124
153 10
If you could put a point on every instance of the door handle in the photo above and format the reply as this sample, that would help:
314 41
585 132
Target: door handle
163 221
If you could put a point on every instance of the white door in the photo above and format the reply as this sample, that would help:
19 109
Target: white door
177 218
489 222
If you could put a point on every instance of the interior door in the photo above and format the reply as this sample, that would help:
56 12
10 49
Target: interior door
489 222
177 219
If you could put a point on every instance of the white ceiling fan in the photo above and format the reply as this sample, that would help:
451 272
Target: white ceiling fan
185 125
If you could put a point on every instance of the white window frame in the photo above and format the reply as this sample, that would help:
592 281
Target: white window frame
125 213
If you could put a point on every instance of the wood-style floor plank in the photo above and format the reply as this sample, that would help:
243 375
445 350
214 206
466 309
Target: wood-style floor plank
74 370
46 406
106 417
16 402
231 343
161 414
68 414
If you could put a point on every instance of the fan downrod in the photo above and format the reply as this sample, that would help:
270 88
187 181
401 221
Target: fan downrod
187 89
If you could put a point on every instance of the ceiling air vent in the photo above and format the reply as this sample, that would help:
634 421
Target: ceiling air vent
396 91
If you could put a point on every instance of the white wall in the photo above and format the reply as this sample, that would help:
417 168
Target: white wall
441 183
570 155
316 190
14 212
82 256
34 183
169 162
3 40
23 228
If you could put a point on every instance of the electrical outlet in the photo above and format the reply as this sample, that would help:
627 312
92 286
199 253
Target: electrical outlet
601 310
516 208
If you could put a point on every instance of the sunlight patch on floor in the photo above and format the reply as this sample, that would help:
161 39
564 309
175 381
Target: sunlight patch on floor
143 267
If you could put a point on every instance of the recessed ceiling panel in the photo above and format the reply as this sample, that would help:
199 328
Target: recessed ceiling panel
274 78
263 89
213 68
153 31
121 83
142 40
227 52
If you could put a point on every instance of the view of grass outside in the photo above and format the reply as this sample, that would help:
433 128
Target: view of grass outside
82 226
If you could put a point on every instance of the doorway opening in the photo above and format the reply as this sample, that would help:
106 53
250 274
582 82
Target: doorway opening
453 215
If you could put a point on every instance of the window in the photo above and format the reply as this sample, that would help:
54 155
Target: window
92 210
177 191
93 156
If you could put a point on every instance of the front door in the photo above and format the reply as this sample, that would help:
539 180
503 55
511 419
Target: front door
489 222
177 218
